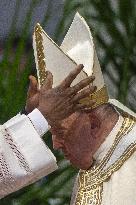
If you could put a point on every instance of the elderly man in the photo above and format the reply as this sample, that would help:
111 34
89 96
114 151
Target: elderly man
24 158
101 140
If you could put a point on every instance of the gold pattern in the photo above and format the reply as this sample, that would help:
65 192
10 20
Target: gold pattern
91 181
100 96
40 54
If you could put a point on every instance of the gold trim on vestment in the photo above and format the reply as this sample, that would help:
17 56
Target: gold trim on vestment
100 96
90 182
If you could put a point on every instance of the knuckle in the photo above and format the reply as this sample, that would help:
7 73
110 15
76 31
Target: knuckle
80 66
92 78
72 91
76 88
93 88
86 91
59 89
69 92
83 93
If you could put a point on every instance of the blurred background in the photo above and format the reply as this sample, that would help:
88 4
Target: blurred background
113 23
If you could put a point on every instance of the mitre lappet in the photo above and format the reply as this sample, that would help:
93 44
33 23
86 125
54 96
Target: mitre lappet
76 48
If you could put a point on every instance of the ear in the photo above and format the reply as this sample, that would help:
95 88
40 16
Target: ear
95 122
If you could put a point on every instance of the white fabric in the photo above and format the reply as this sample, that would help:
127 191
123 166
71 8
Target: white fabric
56 58
122 107
40 123
121 147
24 157
120 188
78 44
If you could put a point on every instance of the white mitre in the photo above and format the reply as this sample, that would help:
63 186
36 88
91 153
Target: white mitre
76 48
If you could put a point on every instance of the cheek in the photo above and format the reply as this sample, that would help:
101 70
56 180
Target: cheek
81 159
81 138
80 142
80 146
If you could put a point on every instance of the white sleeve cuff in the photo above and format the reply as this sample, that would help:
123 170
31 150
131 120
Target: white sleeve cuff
39 122
25 157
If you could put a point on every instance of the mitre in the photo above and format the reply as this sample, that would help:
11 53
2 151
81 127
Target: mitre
76 48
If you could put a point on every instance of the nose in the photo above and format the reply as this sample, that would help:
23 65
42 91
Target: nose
58 143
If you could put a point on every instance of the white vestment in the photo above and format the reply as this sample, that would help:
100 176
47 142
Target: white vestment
24 157
118 176
112 179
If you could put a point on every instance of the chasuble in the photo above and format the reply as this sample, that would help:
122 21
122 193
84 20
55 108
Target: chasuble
112 178
24 157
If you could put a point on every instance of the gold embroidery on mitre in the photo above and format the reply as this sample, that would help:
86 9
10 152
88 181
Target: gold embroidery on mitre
100 96
91 181
40 54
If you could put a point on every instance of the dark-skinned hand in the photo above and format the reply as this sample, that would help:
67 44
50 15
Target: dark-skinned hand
32 100
60 102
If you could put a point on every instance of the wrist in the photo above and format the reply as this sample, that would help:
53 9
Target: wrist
39 121
29 109
46 116
24 111
41 110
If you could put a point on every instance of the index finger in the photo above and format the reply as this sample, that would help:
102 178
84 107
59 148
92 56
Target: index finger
82 84
72 75
33 86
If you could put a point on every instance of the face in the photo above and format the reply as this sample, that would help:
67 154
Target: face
80 142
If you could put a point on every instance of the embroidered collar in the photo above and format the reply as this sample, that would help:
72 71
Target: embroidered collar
103 149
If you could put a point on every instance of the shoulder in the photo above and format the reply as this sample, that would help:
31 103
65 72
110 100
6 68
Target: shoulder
120 189
127 172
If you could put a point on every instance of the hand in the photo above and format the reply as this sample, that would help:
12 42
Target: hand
58 103
33 95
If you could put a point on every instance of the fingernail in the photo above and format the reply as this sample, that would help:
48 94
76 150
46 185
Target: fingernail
81 65
47 72
92 77
93 88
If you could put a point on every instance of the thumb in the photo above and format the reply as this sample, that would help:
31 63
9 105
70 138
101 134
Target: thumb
33 86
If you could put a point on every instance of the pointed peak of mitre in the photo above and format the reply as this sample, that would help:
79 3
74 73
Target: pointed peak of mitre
77 14
78 44
77 47
38 28
37 25
82 20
